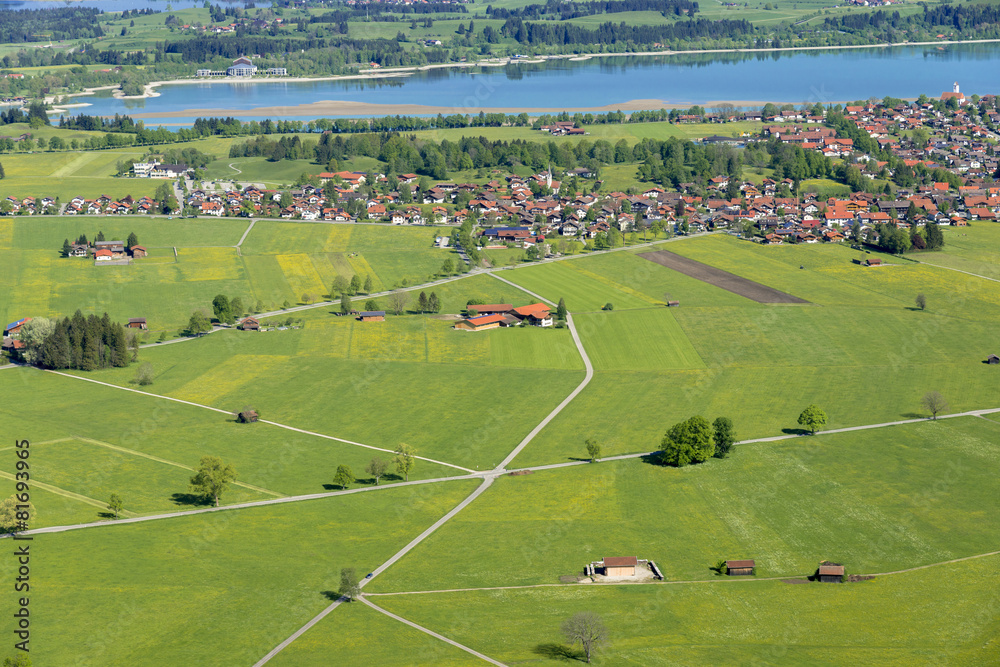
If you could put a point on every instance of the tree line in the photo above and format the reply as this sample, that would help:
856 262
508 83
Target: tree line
561 11
83 343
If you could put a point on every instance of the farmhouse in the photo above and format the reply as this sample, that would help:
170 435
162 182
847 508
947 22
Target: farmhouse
537 314
372 316
136 323
623 566
481 322
103 255
250 324
739 568
830 573
14 328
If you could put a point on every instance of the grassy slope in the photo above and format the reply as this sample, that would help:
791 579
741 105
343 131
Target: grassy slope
234 584
903 619
876 501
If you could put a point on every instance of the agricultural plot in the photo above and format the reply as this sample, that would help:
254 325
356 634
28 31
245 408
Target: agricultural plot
972 249
359 635
144 449
329 377
584 290
877 500
124 594
65 175
906 618
637 340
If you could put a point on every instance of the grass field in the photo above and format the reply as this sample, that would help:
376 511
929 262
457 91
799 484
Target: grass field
123 595
860 325
336 376
877 501
144 448
279 262
902 619
972 249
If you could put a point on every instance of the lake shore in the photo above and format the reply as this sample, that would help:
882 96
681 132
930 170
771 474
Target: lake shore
150 88
358 109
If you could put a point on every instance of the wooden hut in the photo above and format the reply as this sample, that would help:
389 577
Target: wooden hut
673 304
372 316
830 573
873 261
136 323
250 324
740 568
993 359
247 416
620 566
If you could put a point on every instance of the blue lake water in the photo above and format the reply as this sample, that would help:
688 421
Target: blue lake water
781 77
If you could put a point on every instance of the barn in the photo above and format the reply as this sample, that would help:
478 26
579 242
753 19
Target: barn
993 359
372 316
830 573
481 322
620 566
250 324
136 323
740 568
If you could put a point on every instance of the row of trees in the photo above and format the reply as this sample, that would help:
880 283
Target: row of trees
404 462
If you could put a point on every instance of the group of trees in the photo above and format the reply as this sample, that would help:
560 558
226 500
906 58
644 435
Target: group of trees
404 461
227 310
695 441
81 343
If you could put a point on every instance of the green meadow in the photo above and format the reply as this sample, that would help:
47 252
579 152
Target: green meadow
877 501
145 449
760 364
460 397
232 584
901 619
278 262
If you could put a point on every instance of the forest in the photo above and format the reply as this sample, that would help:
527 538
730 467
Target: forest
562 11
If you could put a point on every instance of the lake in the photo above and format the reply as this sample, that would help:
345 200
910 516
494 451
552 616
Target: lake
780 77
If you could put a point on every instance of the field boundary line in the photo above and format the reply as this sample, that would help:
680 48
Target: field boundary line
263 421
431 633
64 493
151 457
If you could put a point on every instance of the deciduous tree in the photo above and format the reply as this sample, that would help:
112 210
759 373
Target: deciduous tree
687 442
355 285
368 284
377 467
221 308
934 403
593 450
213 477
433 303
398 300
345 303
587 629
199 323
405 460
343 477
812 418
144 374
350 585
921 301
116 504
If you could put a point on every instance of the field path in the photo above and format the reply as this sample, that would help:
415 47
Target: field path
64 493
487 481
968 273
432 633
